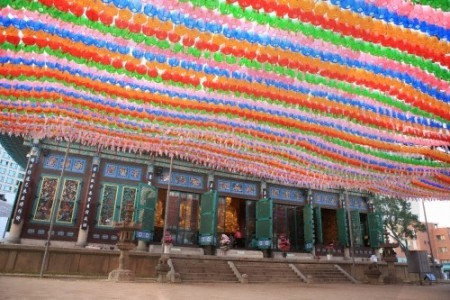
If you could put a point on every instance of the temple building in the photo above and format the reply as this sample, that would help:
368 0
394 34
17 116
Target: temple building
90 195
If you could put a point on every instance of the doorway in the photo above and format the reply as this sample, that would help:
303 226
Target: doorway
329 226
182 217
236 218
288 220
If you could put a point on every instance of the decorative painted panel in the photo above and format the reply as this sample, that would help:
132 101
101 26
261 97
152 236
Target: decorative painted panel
46 199
180 179
67 206
287 194
128 196
237 187
24 194
123 172
108 205
325 199
357 203
73 164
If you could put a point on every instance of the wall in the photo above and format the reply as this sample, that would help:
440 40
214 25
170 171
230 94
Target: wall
443 243
67 261
93 262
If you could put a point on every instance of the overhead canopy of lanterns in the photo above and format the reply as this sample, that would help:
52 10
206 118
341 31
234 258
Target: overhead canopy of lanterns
347 94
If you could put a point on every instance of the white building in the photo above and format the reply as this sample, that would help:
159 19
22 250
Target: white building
11 174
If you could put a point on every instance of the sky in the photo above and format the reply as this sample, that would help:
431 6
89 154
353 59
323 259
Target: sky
437 212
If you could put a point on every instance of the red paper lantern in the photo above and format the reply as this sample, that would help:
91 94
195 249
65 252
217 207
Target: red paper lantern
135 28
120 23
28 40
117 63
13 39
188 42
173 37
92 15
245 3
105 18
227 50
166 76
281 10
152 72
141 69
76 9
48 3
149 31
161 35
268 6
62 5
262 57
294 13
54 45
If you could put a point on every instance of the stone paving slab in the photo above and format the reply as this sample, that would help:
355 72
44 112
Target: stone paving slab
30 288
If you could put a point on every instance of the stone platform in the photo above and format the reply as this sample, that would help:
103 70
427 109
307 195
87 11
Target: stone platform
240 253
177 250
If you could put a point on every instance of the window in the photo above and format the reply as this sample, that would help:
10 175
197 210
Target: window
12 173
2 170
9 180
443 249
7 188
440 237
113 201
48 194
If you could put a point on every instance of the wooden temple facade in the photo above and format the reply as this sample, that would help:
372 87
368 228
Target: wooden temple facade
91 193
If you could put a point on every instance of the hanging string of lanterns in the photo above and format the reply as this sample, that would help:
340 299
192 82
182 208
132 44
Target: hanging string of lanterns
339 94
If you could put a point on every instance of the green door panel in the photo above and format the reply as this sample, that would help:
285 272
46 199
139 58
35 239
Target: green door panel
375 223
208 218
264 223
308 227
318 222
342 226
356 228
148 196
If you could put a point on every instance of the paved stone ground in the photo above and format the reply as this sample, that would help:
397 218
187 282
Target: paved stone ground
27 288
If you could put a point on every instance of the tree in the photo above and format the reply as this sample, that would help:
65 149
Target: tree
398 219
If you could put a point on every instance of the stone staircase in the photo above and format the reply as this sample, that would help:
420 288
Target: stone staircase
323 273
203 270
266 272
234 270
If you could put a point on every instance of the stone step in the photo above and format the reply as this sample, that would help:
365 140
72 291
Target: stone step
224 277
201 270
215 271
208 280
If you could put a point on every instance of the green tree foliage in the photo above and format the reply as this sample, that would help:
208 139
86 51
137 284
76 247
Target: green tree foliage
398 220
